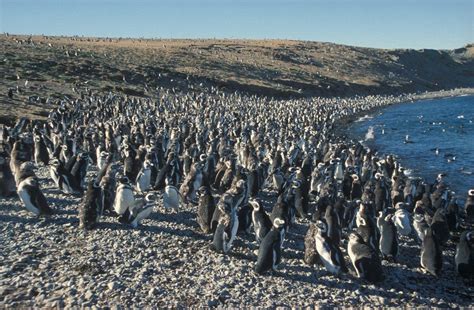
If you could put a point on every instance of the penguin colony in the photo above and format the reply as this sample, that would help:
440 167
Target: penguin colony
220 151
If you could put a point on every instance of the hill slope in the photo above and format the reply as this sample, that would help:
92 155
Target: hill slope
283 69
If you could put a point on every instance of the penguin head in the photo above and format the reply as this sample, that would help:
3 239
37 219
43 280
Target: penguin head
470 238
27 167
124 180
400 206
322 226
278 222
150 197
470 192
254 204
355 238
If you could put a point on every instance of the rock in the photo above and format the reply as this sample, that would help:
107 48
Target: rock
112 285
212 303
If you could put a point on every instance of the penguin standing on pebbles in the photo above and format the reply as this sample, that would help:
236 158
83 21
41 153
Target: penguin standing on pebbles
7 181
29 191
171 197
124 197
329 252
144 177
311 255
431 259
388 243
365 261
269 252
464 257
261 221
92 207
141 209
41 151
206 207
419 222
402 219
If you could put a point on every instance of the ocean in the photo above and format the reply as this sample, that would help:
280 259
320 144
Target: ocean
428 137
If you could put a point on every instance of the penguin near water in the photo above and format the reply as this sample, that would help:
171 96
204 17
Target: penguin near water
469 206
269 252
329 252
92 207
365 261
464 257
431 258
29 190
388 243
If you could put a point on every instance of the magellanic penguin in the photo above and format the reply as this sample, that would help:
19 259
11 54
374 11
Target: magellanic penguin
464 257
7 180
269 252
365 261
311 255
469 206
431 258
261 221
63 178
141 209
171 197
206 207
440 227
124 197
388 243
29 190
41 151
144 177
92 207
402 219
419 222
329 252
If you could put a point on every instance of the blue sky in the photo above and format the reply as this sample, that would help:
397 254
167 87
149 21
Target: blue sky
372 23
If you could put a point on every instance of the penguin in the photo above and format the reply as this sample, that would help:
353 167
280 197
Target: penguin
63 178
92 206
108 184
311 256
221 234
431 258
333 225
401 219
261 221
365 261
144 177
440 227
102 159
419 222
388 243
141 209
29 191
206 207
171 197
192 182
329 252
269 251
79 169
367 228
7 180
469 206
41 151
464 257
244 214
124 197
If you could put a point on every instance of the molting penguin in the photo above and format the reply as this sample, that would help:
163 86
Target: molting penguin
29 190
206 207
7 181
388 243
464 257
261 221
91 208
365 261
431 258
311 255
269 252
329 252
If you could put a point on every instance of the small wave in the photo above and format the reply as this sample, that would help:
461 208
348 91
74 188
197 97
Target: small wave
370 134
460 116
364 118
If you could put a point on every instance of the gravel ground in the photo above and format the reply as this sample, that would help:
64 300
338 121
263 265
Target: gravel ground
168 262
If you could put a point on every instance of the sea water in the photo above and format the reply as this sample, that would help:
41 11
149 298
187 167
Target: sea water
428 137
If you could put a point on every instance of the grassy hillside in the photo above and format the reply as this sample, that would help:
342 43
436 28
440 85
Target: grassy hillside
54 66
